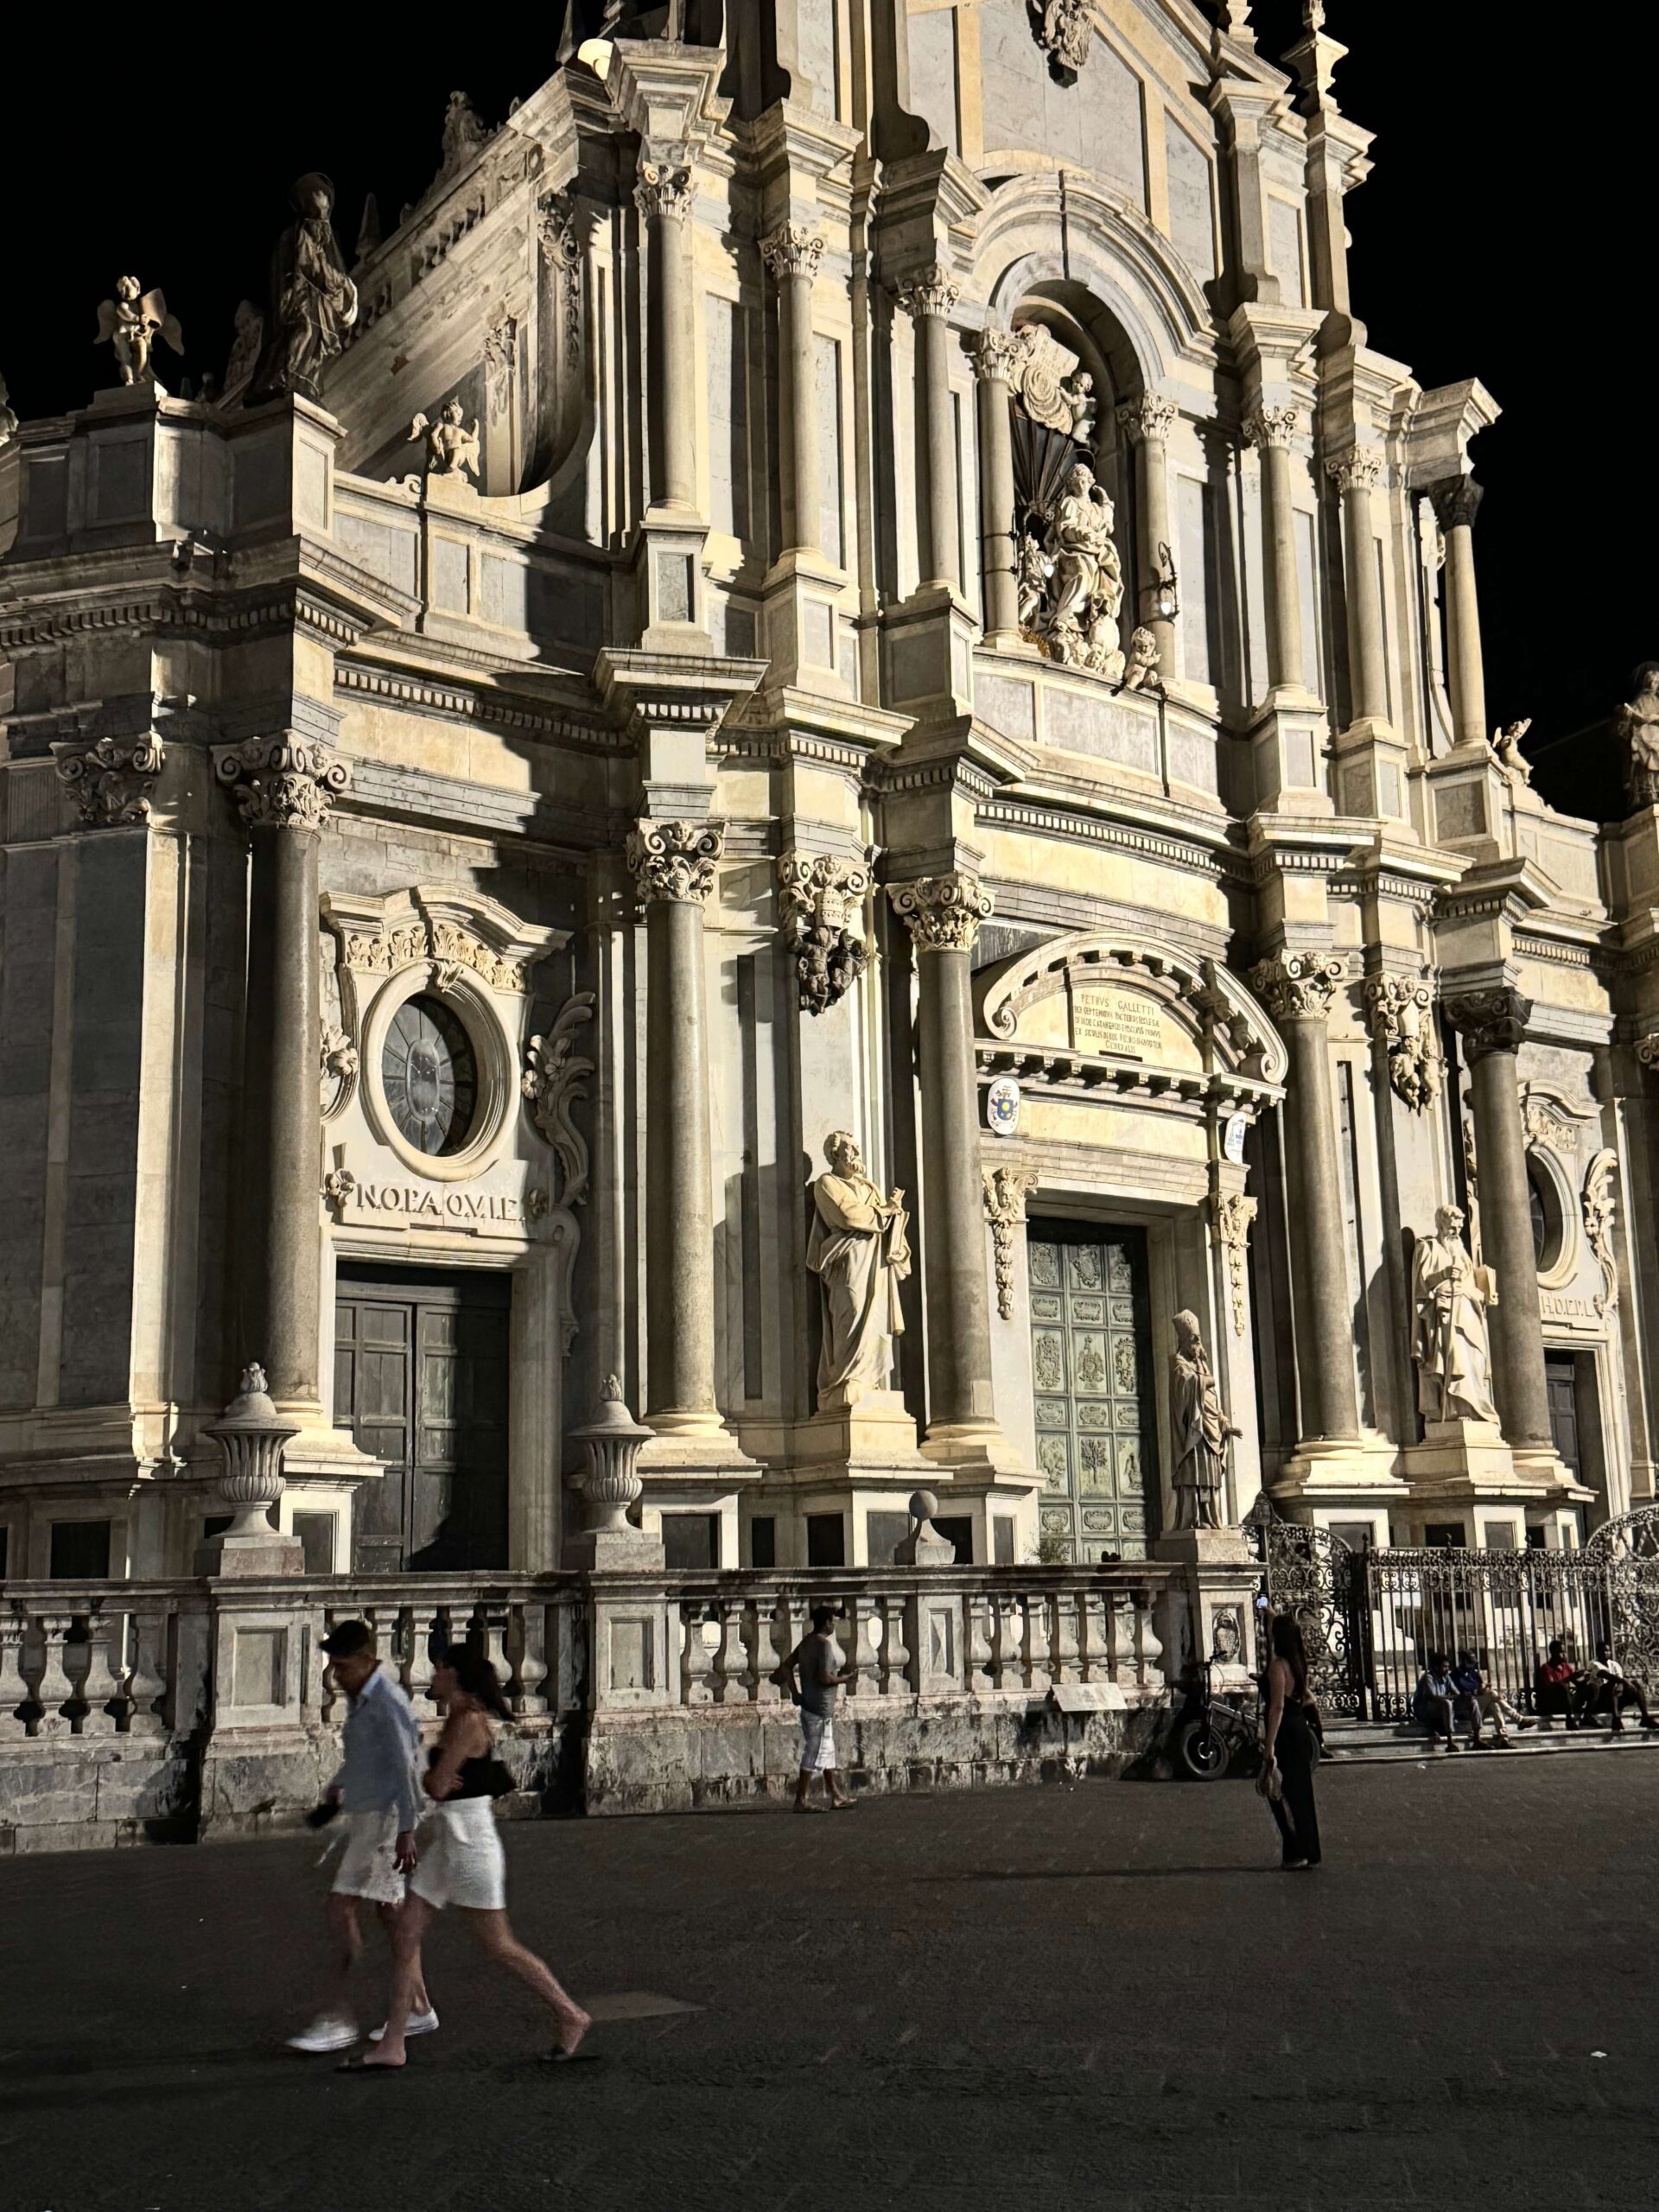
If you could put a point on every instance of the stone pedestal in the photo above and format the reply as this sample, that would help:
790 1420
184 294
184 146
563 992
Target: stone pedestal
610 1485
252 1436
1208 1610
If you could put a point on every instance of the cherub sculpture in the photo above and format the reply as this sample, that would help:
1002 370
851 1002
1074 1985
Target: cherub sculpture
131 322
8 416
1506 743
449 448
1141 674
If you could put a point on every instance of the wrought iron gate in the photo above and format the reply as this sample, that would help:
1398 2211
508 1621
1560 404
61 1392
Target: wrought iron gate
1312 1574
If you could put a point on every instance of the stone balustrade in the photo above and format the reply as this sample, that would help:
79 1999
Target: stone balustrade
201 1709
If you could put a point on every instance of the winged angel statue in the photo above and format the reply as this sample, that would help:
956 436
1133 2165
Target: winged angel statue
7 416
131 322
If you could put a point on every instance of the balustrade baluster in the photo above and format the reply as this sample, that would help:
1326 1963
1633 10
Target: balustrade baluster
13 1688
1149 1650
895 1653
771 1646
696 1660
1037 1676
54 1689
978 1626
730 1662
918 1631
1063 1642
527 1653
148 1670
1091 1666
1123 1639
863 1644
99 1686
414 1623
1007 1643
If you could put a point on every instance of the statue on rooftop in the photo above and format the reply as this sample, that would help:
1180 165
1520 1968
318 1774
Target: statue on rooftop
464 133
1638 725
7 416
313 301
1141 674
131 322
1506 744
450 450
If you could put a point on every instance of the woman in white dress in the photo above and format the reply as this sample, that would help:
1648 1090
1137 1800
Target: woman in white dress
463 1863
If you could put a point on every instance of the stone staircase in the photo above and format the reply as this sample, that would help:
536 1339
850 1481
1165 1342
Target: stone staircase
1386 1742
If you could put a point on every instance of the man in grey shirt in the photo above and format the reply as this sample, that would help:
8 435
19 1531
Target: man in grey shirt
821 1666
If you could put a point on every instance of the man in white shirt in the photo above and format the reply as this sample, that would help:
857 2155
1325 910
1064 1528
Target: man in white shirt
1607 1683
822 1666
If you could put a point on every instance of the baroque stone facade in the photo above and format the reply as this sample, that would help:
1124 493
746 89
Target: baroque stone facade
919 625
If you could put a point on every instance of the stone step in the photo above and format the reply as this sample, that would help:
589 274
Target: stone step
1381 1744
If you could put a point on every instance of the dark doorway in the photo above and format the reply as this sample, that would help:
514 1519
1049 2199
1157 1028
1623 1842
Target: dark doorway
1560 1381
421 1380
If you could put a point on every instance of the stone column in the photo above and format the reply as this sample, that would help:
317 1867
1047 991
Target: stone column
1356 476
284 786
792 255
942 914
1296 988
928 300
1457 501
1493 1023
674 867
1271 429
1148 423
664 196
993 357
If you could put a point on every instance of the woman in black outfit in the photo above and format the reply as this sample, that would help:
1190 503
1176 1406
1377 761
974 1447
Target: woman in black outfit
1293 1746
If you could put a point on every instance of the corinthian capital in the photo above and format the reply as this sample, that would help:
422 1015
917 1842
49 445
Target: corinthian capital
942 913
1490 1021
284 782
1647 1049
791 250
1272 428
674 861
929 292
111 780
994 355
1457 501
1297 986
1357 471
664 188
1148 420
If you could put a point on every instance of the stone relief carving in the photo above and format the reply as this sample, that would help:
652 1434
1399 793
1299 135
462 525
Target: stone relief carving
1272 428
858 1249
443 944
561 247
931 291
1490 1021
1506 745
1356 471
552 1086
791 250
1402 1010
822 904
1545 1126
1065 29
1450 1295
1149 419
1298 986
338 1067
131 322
313 301
449 449
464 131
1005 1191
1044 376
942 913
1071 582
500 363
1234 1215
1198 1429
1637 722
283 782
994 355
339 1187
664 188
1600 1209
111 780
675 862
1647 1049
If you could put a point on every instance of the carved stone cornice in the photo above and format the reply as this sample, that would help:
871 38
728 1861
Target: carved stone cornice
664 188
551 1085
1456 501
1148 420
931 291
791 250
675 863
113 780
283 782
1358 471
995 351
820 905
1490 1021
943 912
1298 986
1272 428
1005 1191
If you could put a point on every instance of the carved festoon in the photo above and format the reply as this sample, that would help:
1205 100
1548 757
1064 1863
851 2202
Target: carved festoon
1543 1125
1599 1207
942 913
675 862
552 1086
111 780
1638 725
1298 986
1490 1021
561 238
338 1058
449 449
821 902
1064 31
1234 1213
1402 1021
1005 1191
284 782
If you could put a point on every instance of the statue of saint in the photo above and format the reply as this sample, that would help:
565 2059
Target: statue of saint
1638 725
1088 578
1449 1298
858 1250
313 301
1198 1429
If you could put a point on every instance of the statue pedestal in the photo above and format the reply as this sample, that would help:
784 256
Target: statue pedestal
1464 1474
256 1558
1205 1548
614 1551
875 1432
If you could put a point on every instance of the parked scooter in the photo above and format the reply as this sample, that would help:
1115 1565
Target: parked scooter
1208 1736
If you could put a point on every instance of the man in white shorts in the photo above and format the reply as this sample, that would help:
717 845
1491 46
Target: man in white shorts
377 1790
822 1666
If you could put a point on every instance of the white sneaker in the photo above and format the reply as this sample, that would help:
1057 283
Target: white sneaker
417 2023
325 2034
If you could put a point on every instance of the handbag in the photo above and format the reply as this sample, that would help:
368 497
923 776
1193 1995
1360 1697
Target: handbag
1269 1783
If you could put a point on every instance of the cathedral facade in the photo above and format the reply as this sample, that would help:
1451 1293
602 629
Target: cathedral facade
818 744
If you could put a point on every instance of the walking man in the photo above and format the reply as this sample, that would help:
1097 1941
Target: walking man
821 1665
378 1795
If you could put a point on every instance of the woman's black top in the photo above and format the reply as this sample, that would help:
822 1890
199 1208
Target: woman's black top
481 1776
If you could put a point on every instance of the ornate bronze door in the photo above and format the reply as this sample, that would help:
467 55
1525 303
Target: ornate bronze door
421 1378
1091 1373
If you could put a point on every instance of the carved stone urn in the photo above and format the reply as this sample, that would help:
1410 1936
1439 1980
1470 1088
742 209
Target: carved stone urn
251 1434
609 1485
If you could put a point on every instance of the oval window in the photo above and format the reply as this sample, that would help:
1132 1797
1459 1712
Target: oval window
1549 1229
430 1075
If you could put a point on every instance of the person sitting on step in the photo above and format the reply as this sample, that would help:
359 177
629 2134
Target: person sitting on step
1606 1683
1434 1704
1554 1687
1477 1702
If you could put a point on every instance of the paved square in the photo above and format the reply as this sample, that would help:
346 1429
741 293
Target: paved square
1104 1996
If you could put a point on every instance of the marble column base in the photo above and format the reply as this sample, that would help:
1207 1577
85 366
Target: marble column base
875 1432
976 1449
1330 1473
1288 740
697 1448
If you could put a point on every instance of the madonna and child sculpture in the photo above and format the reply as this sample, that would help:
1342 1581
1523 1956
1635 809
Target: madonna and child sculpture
858 1250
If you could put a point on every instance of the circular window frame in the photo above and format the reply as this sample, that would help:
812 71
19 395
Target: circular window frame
491 1056
1559 1262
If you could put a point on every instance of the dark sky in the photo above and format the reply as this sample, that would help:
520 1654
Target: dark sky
1505 233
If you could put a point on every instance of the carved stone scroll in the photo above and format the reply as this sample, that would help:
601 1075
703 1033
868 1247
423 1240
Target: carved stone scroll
1234 1214
111 780
821 899
552 1086
1005 1191
675 862
1599 1206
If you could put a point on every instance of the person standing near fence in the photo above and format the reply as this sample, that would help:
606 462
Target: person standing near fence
821 1665
1291 1748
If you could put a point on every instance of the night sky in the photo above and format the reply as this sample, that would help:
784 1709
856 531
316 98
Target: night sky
1506 232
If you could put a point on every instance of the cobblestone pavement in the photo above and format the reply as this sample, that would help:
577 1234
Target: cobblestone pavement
1103 1996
